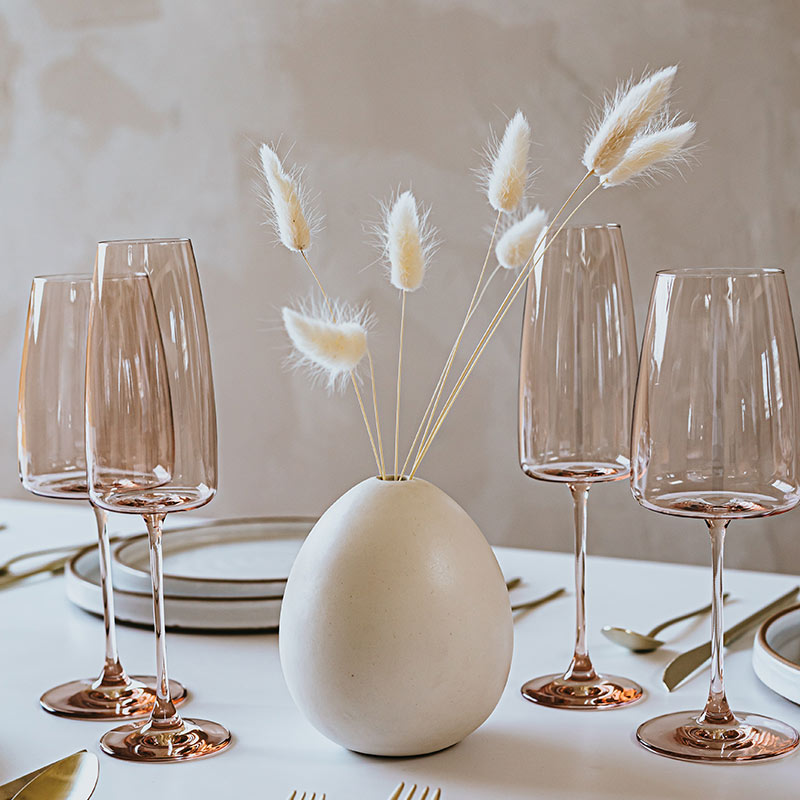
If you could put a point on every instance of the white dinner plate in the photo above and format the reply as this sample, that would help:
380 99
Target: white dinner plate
201 589
221 558
776 653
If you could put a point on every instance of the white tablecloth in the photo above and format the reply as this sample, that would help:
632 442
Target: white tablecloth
522 751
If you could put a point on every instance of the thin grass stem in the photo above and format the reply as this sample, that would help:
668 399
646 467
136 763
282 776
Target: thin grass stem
377 416
437 392
441 377
533 254
421 424
364 417
399 380
481 346
321 287
352 375
486 286
566 203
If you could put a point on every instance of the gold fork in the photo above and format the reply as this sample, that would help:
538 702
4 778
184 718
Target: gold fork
411 793
305 796
54 567
8 577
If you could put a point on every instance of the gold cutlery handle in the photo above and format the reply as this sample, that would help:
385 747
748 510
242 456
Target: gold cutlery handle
539 601
675 620
8 578
50 566
686 663
738 630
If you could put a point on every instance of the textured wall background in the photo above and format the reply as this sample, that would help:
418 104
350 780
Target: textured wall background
137 118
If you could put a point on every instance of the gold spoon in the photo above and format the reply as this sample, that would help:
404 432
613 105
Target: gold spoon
646 642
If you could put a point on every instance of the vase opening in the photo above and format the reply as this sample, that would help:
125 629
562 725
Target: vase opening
392 478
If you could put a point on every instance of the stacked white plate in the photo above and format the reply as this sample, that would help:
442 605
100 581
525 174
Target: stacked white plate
221 576
776 653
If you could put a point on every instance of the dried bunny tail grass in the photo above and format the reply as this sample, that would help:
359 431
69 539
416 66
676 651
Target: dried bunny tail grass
623 117
517 243
656 152
327 349
408 241
286 201
506 174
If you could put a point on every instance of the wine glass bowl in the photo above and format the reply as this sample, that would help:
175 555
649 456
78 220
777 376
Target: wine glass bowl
67 485
154 500
577 371
151 439
717 505
52 461
571 471
715 435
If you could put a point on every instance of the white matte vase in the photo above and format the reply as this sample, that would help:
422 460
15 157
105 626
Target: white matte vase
396 633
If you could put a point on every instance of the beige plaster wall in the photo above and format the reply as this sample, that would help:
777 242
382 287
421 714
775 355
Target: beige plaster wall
135 118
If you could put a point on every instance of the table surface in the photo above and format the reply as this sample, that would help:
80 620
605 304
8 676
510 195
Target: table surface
522 751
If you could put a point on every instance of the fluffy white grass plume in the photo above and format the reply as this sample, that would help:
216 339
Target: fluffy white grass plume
285 202
408 242
507 174
517 243
625 116
328 349
655 151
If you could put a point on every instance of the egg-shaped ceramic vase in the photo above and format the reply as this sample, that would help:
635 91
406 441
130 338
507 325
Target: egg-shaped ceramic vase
395 632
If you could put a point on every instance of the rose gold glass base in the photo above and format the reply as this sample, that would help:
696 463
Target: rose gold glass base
86 699
750 737
193 738
602 692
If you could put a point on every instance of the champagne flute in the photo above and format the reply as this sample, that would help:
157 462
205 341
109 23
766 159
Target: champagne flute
151 438
577 368
52 463
715 436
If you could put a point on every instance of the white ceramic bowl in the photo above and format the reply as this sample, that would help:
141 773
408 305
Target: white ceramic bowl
776 653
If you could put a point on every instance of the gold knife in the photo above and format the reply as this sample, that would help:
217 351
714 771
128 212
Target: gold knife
8 790
82 765
72 778
686 663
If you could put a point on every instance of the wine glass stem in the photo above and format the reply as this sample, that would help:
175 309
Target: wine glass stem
113 674
717 710
581 668
164 714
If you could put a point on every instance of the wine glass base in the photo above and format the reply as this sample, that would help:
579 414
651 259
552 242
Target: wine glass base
604 692
80 700
195 738
750 737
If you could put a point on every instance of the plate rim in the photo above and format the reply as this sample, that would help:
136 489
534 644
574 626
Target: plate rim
72 569
214 523
761 637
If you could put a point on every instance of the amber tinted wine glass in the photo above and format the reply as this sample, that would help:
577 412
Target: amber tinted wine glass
577 373
52 463
151 438
715 436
